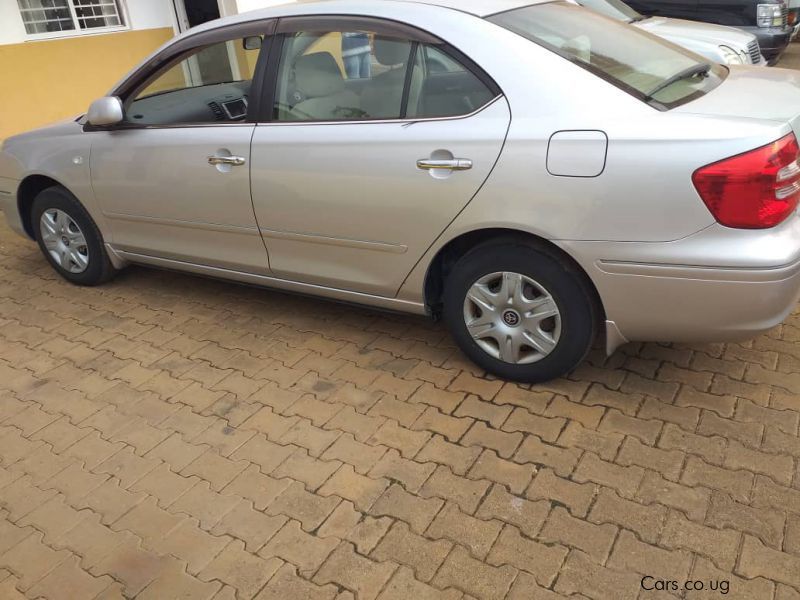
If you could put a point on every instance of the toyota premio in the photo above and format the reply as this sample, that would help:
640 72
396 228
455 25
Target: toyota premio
533 173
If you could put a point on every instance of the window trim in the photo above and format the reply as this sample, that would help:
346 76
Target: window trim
77 32
265 77
407 121
378 25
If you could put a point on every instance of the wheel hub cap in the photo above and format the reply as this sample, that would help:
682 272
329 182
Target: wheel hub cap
64 240
512 317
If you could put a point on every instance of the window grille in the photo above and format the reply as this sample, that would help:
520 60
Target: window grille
48 16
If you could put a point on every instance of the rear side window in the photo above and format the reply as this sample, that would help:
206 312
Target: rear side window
443 87
358 75
645 66
341 76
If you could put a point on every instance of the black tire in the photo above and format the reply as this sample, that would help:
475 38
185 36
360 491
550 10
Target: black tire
565 283
99 268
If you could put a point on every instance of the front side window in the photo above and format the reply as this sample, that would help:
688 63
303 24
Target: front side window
210 84
361 75
648 68
50 16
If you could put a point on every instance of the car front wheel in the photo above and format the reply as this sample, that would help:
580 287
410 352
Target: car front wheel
69 238
520 311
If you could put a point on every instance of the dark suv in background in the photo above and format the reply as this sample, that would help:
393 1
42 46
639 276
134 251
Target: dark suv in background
766 19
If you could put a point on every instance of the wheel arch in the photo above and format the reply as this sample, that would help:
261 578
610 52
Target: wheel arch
28 189
453 250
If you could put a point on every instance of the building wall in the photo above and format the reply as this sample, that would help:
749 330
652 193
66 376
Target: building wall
46 80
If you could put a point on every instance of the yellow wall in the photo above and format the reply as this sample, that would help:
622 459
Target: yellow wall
48 80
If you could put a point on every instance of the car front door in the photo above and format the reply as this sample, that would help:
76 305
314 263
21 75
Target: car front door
173 178
375 140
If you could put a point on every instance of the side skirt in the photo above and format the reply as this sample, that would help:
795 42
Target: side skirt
275 283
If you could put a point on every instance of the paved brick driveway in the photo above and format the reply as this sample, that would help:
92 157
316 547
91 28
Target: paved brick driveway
167 436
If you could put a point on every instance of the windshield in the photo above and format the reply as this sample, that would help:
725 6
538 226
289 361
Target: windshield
645 66
616 9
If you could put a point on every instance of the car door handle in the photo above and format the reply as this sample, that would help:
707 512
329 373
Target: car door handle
226 160
453 164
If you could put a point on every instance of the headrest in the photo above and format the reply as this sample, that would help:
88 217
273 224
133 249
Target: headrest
317 75
390 52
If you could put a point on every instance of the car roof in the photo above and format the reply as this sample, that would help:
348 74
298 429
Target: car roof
479 8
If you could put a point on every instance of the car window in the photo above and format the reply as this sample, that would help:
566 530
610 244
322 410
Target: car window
210 84
360 75
442 87
616 9
341 76
645 66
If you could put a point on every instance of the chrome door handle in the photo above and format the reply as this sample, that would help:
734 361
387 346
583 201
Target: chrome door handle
226 160
453 164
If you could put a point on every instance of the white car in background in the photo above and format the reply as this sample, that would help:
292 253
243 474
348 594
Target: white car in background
724 45
794 16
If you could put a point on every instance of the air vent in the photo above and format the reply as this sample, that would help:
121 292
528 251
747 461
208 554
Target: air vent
219 114
754 50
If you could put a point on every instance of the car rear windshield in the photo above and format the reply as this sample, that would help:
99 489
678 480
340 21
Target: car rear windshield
616 9
645 66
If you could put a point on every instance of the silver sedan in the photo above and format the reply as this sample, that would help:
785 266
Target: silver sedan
533 173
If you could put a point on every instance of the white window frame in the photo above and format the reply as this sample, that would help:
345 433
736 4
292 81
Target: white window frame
49 35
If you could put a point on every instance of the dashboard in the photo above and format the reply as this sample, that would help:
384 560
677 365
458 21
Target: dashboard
220 102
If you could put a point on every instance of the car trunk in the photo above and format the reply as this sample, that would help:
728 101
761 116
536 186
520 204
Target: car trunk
750 92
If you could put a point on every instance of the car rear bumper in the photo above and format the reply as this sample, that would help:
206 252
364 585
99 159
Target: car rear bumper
696 291
8 204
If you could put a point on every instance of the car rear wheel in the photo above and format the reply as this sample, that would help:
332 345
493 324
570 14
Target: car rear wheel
520 311
69 238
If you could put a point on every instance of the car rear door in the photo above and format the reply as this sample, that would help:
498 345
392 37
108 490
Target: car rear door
353 178
173 179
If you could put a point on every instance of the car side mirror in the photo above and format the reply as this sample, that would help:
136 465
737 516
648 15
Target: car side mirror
105 111
252 42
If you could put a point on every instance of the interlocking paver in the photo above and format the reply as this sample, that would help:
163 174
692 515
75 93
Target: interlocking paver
307 507
467 493
594 540
241 570
191 544
549 486
364 577
404 546
477 578
396 502
166 436
305 551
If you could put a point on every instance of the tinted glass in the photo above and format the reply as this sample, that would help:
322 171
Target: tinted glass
443 87
641 64
616 9
212 84
341 76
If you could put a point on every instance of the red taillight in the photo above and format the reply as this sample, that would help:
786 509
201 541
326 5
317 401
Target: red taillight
754 190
